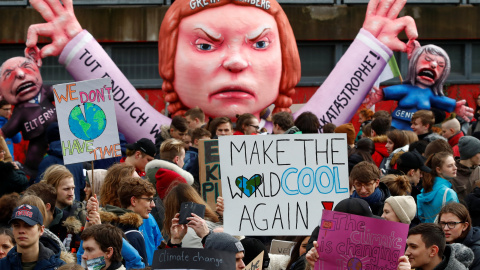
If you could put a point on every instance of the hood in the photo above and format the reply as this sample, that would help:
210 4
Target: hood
430 137
120 216
55 149
472 238
456 257
462 169
165 132
293 130
380 142
48 248
152 167
437 186
49 234
57 217
73 225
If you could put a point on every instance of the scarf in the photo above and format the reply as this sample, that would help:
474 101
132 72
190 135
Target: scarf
375 197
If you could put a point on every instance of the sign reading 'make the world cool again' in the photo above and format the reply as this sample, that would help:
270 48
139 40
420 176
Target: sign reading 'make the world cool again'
279 184
87 120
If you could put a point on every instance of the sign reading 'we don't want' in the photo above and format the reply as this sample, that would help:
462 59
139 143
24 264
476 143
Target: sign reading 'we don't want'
279 184
87 120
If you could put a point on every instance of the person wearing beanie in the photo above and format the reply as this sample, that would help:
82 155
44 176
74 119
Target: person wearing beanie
226 242
468 169
350 131
400 209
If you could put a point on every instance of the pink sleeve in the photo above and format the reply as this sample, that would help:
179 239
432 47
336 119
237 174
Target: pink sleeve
342 93
85 59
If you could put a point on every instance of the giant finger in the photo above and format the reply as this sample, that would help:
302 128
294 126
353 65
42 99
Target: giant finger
396 8
371 9
56 6
68 5
50 50
409 26
35 30
384 7
44 9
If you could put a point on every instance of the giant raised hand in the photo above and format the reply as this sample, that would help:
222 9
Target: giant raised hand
382 22
61 25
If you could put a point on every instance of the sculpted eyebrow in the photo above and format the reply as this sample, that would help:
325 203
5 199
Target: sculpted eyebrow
265 30
210 36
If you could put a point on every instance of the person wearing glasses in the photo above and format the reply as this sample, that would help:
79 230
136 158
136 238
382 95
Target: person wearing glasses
136 200
456 223
365 178
247 124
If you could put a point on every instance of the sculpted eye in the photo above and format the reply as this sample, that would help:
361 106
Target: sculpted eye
204 46
261 44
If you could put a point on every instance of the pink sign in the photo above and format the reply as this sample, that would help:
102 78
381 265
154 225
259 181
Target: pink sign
348 241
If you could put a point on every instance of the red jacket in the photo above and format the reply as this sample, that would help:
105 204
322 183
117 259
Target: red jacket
380 149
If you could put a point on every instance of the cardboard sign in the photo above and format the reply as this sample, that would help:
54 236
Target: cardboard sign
209 171
348 241
87 120
277 185
193 258
281 247
256 264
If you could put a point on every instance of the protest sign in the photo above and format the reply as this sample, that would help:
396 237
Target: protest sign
193 258
281 247
209 171
87 120
277 185
256 264
348 241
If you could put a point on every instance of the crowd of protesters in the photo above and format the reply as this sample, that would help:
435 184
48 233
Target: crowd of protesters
427 177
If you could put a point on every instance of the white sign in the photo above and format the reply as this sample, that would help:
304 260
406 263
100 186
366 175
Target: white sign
279 184
87 120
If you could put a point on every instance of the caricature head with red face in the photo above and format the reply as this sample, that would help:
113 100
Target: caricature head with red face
20 77
228 57
429 67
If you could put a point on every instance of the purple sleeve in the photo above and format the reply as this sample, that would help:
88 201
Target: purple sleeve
339 97
85 59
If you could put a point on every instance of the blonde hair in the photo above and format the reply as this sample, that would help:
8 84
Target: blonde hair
55 174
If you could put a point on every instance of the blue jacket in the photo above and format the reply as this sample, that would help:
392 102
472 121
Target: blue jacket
129 254
152 235
10 141
54 156
429 204
47 258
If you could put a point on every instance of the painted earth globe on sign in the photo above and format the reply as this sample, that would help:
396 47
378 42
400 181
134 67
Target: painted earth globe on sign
87 121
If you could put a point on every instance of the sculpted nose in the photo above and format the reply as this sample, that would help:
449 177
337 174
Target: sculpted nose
19 73
235 63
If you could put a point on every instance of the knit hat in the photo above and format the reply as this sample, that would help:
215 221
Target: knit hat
404 207
224 242
468 147
28 213
355 206
253 247
349 130
165 178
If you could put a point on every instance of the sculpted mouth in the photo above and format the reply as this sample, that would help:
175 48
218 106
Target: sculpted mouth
427 73
233 92
24 87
